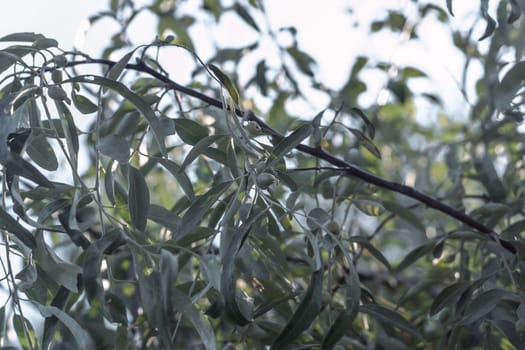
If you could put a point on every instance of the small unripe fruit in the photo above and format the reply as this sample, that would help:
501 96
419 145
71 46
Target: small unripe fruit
56 76
60 60
253 128
333 227
265 180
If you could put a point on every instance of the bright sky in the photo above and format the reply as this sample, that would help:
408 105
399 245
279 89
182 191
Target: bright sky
326 31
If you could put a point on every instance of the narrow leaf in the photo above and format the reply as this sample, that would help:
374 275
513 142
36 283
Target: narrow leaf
11 225
91 275
199 148
180 176
190 131
346 317
245 15
83 104
228 285
449 7
200 207
139 103
226 82
115 70
23 36
509 86
42 153
483 304
116 147
448 296
288 143
17 165
25 333
82 338
369 207
390 317
184 304
305 314
404 214
371 249
415 255
138 201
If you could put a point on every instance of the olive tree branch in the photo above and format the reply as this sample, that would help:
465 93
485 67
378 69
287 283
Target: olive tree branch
317 152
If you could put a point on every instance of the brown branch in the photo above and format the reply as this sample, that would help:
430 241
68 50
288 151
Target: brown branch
318 153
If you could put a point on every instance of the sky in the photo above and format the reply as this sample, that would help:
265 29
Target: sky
326 31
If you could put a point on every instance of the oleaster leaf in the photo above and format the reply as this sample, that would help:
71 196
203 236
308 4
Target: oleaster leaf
304 315
116 147
139 200
83 104
288 143
137 101
226 82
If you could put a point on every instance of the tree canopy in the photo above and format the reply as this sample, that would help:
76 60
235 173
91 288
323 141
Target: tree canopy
142 212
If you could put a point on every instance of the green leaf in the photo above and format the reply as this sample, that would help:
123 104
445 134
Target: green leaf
390 317
362 241
83 104
245 15
70 131
116 147
190 131
23 36
225 82
109 184
199 208
62 272
317 217
487 175
138 200
11 225
45 43
369 207
404 214
2 322
150 283
364 141
117 69
82 338
92 276
184 304
199 148
139 103
449 7
509 86
42 153
180 176
25 333
164 217
515 11
448 296
346 317
415 255
10 55
302 59
288 143
370 128
228 283
491 23
484 303
305 313
16 165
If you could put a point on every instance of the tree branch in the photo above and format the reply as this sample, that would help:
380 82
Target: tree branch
317 152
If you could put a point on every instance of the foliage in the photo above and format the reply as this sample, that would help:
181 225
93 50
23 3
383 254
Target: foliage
140 213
